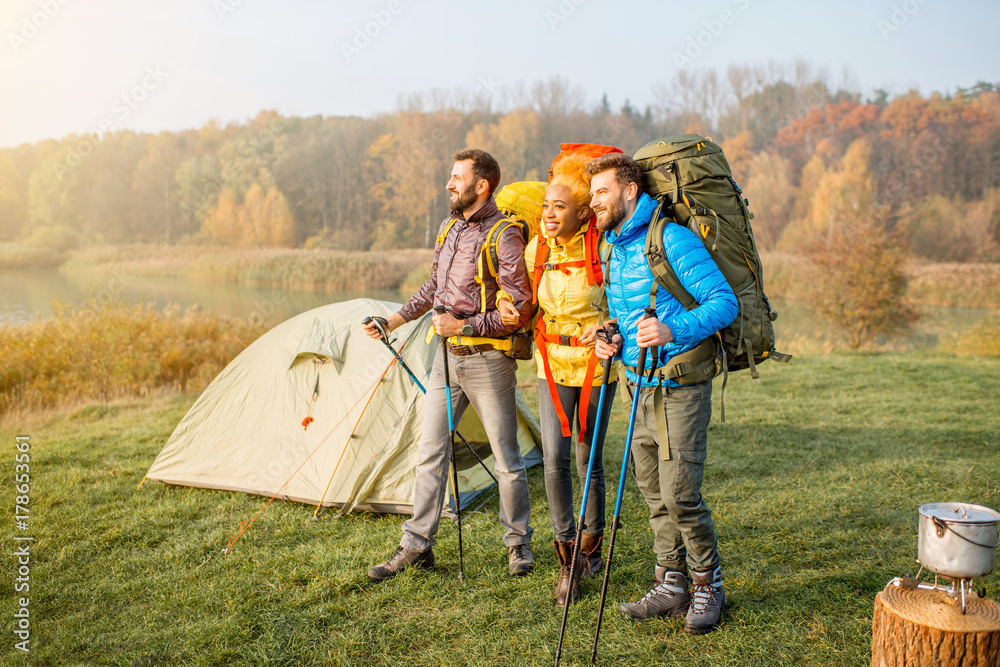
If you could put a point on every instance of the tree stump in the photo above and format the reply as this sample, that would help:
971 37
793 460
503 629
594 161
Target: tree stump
926 627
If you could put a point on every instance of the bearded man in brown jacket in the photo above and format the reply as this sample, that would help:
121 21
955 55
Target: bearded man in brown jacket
480 374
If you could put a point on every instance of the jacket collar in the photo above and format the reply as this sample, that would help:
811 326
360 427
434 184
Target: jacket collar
636 225
485 211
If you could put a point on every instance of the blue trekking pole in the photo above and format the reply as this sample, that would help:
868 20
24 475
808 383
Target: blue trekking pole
382 326
451 436
606 334
616 521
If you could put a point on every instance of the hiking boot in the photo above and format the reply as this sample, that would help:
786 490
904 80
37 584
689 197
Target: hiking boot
707 601
564 551
668 596
590 554
519 559
400 560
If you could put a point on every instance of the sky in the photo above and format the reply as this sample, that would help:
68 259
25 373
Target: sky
74 66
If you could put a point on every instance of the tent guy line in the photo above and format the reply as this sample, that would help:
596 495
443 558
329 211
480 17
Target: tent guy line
353 430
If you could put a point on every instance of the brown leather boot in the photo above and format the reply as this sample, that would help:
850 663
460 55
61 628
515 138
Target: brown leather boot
590 554
564 551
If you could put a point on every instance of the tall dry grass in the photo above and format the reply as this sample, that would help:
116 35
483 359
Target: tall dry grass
18 256
971 285
108 349
315 269
975 285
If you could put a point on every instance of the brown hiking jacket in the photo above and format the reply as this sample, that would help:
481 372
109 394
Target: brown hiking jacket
453 275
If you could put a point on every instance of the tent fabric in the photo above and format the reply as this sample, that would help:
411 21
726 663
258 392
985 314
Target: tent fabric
245 432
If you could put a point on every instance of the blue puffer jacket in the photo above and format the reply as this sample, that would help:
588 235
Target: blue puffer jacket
631 279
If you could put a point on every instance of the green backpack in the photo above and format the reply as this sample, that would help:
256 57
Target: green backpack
691 180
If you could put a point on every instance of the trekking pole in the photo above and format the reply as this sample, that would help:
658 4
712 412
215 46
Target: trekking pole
606 335
616 520
451 435
381 325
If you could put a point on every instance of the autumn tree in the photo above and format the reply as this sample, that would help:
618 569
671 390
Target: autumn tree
260 220
770 192
322 169
414 162
360 183
514 142
222 222
13 202
155 194
859 284
199 187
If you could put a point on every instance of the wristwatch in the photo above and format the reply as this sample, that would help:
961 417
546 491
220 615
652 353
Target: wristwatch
467 330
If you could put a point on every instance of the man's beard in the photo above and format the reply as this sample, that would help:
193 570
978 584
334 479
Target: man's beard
613 216
464 199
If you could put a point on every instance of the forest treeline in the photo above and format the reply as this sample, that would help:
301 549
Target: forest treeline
926 168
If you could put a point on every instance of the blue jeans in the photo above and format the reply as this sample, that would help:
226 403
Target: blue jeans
487 381
556 450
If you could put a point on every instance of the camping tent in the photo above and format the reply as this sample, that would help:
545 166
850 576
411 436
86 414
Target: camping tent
246 433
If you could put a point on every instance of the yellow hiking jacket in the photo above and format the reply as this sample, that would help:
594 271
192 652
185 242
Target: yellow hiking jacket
564 302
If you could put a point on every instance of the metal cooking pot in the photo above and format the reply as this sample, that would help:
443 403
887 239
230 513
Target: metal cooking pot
958 540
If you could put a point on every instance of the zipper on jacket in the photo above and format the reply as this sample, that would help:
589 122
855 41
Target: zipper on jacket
451 261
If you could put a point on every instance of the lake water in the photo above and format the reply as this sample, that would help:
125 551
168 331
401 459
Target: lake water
25 295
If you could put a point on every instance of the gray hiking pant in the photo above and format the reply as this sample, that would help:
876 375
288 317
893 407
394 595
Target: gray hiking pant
683 534
557 450
487 381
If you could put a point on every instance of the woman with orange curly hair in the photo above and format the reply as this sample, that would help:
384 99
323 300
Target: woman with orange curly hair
563 262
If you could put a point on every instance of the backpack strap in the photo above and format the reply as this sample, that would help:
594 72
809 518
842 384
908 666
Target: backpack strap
541 254
493 237
489 254
542 340
606 264
592 260
700 363
656 257
444 232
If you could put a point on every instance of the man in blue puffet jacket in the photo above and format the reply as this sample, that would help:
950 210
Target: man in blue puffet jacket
669 474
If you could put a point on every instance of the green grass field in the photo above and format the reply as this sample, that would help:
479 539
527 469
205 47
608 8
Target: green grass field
814 480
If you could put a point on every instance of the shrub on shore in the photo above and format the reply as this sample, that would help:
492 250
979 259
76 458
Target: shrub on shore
105 349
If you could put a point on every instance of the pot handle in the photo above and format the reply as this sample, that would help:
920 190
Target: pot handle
943 525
